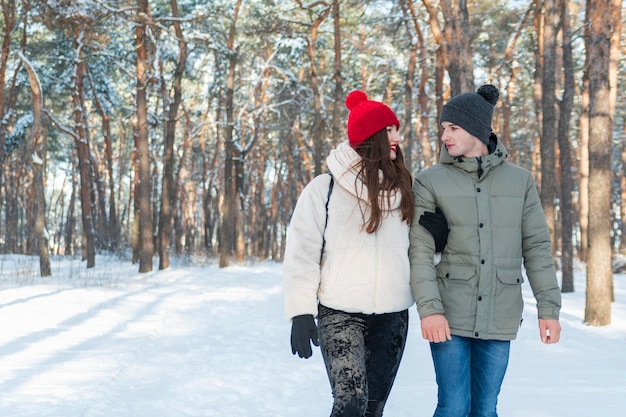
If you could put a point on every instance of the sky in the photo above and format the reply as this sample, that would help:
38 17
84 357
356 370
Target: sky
197 340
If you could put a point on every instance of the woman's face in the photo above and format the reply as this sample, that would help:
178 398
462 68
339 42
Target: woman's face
394 140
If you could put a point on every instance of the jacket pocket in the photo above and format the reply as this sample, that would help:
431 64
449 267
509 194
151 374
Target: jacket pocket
456 288
508 303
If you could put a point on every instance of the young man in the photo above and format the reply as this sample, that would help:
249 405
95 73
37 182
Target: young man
470 304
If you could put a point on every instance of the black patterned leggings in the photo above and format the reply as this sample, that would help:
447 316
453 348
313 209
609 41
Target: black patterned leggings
362 354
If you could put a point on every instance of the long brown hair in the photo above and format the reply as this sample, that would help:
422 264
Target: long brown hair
374 153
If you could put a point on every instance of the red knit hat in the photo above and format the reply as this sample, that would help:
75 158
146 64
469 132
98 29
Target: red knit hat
367 117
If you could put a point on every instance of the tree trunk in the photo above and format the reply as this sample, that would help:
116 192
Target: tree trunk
183 180
319 125
426 151
583 167
227 240
124 169
242 209
259 151
416 41
457 34
57 213
9 15
549 126
565 155
537 91
11 212
98 198
622 183
338 102
505 132
441 62
278 188
614 62
142 145
36 153
599 268
208 183
168 190
135 233
82 146
70 222
111 232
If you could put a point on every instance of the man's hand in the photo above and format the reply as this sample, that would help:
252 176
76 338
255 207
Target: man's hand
435 328
549 330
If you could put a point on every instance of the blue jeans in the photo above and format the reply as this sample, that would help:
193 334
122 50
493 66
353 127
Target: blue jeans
469 374
362 353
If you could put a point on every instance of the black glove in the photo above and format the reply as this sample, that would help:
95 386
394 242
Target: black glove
303 330
437 225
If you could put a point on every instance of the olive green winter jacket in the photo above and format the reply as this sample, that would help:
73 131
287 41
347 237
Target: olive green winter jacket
496 222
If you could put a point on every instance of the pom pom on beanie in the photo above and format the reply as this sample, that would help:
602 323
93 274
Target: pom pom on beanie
367 117
473 111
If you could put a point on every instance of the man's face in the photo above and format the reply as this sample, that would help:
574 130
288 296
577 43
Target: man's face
460 142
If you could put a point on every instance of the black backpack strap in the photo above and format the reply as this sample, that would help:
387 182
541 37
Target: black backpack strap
330 190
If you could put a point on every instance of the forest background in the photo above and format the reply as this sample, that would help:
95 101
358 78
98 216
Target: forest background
178 127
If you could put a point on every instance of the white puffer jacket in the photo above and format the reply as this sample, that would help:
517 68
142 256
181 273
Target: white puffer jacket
361 272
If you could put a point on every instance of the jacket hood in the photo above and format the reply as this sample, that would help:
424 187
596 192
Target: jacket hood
343 164
484 164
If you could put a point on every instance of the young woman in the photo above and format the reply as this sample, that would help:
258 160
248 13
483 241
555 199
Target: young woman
346 261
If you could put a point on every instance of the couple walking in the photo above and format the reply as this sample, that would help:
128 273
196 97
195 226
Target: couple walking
366 241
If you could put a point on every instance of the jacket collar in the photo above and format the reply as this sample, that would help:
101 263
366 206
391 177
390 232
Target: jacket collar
477 165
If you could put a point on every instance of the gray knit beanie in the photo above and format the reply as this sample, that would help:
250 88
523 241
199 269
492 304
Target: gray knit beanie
472 111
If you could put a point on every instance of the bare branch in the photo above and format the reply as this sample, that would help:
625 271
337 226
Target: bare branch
60 126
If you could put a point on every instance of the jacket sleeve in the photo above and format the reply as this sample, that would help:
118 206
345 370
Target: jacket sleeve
301 264
537 253
421 253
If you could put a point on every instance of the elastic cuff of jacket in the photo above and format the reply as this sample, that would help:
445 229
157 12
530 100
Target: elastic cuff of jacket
430 308
548 313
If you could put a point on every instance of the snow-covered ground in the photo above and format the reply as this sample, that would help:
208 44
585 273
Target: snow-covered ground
196 340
